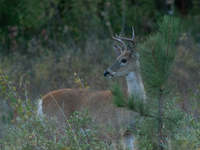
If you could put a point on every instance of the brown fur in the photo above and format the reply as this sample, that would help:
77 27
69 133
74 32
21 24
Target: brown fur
101 108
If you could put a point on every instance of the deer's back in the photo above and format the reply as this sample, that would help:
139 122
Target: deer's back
101 108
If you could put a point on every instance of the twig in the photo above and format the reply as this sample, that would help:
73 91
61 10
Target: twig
67 121
160 122
25 92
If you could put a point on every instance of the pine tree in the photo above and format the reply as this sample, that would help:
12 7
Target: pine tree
159 113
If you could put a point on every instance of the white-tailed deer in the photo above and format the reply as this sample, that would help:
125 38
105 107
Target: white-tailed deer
101 108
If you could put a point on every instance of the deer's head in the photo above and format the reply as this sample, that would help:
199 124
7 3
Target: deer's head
127 59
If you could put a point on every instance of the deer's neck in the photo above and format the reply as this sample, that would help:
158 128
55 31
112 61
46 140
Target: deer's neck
135 85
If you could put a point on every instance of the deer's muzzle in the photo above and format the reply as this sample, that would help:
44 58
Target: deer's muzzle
106 74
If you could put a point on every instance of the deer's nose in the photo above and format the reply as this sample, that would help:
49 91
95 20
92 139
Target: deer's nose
106 73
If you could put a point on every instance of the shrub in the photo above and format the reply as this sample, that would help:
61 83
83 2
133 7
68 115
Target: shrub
33 134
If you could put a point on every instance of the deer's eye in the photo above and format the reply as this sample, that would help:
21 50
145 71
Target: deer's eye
124 60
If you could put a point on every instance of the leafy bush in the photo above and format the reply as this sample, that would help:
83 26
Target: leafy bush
34 133
39 132
89 135
188 135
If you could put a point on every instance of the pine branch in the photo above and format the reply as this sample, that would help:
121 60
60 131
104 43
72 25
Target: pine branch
167 118
160 123
168 41
155 61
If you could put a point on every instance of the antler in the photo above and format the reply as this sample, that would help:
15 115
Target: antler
128 39
119 39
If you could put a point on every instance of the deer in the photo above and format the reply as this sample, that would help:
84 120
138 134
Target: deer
101 108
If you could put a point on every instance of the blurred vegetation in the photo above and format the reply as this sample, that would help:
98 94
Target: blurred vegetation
43 43
73 22
48 134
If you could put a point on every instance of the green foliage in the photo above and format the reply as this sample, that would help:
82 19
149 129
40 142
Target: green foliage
188 135
133 103
73 20
136 104
118 98
86 15
23 107
34 133
7 118
87 135
194 98
184 136
157 54
39 132
148 127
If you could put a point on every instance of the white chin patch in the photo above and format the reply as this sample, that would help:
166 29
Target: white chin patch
109 76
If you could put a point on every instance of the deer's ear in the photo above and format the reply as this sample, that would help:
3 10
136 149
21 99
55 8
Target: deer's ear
134 54
117 49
